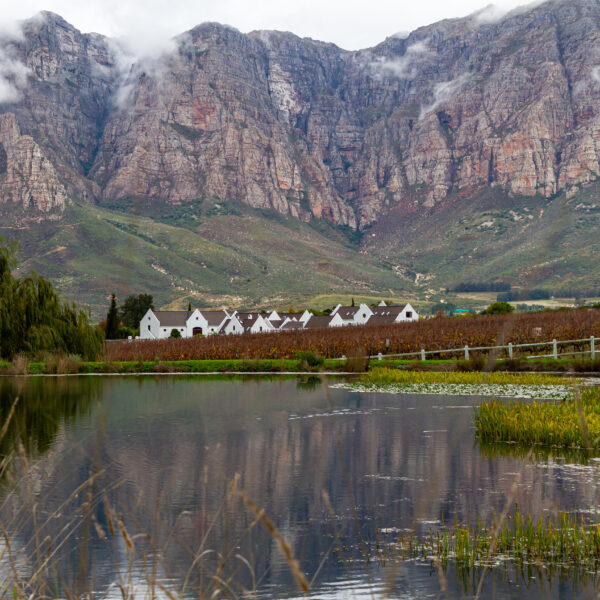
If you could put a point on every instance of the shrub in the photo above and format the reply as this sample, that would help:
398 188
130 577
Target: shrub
499 308
175 333
477 363
309 359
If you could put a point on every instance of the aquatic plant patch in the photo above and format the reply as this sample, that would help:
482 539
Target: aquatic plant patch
573 423
545 392
521 385
566 541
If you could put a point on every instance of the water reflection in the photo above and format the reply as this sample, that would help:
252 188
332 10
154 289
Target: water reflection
153 460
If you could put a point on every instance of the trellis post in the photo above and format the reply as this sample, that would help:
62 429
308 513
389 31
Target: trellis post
423 354
554 349
466 352
510 350
592 347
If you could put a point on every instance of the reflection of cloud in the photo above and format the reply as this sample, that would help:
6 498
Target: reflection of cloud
442 92
403 66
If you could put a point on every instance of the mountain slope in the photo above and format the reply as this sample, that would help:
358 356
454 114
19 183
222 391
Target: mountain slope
424 144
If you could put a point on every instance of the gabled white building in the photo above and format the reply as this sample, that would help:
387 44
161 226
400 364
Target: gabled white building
158 324
209 321
232 326
255 322
352 315
393 314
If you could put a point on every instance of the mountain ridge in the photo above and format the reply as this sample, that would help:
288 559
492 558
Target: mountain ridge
394 133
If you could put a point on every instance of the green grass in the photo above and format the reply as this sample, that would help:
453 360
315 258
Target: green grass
565 541
573 423
182 366
386 376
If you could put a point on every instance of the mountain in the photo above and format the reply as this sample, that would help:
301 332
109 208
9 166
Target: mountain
467 150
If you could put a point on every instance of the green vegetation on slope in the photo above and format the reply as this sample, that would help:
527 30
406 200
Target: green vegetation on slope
527 241
232 256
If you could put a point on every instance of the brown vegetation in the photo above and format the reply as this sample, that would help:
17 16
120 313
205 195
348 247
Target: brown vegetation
433 334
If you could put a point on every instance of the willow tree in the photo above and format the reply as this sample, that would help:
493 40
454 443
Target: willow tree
34 319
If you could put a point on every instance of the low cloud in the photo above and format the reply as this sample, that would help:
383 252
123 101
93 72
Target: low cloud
403 67
13 73
492 13
442 92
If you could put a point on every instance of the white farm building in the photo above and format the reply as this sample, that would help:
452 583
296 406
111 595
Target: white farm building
158 324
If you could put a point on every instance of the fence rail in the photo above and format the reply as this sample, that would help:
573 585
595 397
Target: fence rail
510 350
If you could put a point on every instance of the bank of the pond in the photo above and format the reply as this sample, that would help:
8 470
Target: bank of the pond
183 366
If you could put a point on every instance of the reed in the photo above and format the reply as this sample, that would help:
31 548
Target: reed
573 423
563 541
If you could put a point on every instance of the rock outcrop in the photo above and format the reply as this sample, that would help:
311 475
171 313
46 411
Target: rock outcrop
26 175
310 130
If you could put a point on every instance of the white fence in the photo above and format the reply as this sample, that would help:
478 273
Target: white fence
509 348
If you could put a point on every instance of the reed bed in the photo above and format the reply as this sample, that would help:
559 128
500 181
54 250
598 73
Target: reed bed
431 334
574 423
566 541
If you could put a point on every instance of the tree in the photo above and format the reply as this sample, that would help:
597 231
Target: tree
352 304
33 318
189 307
175 333
499 308
134 308
112 320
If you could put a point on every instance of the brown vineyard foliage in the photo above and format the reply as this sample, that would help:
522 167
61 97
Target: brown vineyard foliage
432 334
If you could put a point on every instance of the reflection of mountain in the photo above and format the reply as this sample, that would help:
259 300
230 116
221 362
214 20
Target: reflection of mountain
174 446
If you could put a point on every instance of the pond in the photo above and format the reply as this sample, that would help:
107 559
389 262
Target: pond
121 481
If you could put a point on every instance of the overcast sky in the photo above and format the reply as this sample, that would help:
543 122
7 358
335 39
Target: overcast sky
352 24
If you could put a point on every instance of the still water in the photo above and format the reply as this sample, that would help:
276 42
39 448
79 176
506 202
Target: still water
125 480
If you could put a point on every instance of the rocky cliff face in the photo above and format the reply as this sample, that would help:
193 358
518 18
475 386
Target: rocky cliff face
26 174
310 130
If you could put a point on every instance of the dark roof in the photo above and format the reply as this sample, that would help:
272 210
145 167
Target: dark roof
347 312
290 315
318 322
394 311
292 325
172 318
214 318
380 319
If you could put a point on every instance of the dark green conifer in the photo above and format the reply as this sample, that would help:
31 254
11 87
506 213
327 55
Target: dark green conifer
112 320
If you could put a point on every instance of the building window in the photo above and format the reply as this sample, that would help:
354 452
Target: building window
408 314
165 329
148 327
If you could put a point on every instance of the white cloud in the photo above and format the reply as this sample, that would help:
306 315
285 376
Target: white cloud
148 24
403 67
442 92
